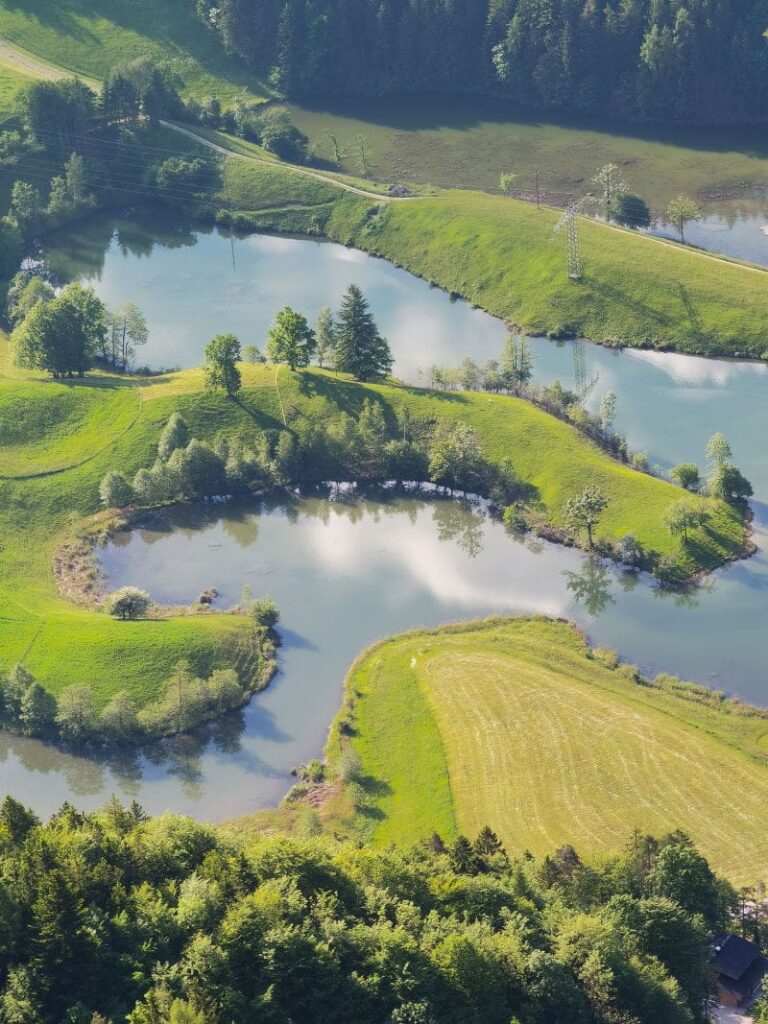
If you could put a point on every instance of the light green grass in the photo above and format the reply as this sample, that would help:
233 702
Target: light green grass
105 427
512 724
468 143
11 84
89 37
500 253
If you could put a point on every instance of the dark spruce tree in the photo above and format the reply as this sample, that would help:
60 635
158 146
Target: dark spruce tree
360 349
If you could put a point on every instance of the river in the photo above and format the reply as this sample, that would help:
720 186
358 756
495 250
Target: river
350 569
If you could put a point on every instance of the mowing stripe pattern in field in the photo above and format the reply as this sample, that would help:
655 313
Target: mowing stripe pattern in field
547 745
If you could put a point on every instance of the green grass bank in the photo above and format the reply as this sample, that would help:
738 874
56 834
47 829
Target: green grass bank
59 439
500 253
519 725
90 37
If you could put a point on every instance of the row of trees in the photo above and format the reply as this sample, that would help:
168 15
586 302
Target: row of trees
63 334
512 373
185 699
641 59
370 447
75 718
349 341
112 916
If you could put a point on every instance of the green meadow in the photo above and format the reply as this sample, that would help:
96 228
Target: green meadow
106 422
518 725
90 37
462 142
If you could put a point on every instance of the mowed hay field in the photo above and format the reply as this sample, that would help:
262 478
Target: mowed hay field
515 724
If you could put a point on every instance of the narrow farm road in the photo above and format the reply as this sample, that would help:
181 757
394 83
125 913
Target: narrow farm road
319 176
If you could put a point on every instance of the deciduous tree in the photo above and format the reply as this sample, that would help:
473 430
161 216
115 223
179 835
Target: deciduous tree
222 355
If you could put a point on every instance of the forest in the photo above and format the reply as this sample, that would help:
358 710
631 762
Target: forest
690 61
116 916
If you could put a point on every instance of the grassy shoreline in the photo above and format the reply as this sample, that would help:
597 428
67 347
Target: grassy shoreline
105 422
519 724
500 254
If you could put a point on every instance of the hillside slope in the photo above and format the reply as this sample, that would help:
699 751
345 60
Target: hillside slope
106 422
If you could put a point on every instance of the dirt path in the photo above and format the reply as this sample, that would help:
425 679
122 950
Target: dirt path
27 63
20 60
250 158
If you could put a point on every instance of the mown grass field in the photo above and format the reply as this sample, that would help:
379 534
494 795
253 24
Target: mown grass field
106 422
512 723
90 37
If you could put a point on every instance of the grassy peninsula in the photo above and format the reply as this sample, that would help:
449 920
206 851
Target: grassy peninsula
519 724
59 439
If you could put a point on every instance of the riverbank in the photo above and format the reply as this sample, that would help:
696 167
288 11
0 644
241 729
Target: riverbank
519 724
500 254
116 424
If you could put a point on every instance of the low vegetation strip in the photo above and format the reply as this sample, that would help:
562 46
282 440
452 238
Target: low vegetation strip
518 724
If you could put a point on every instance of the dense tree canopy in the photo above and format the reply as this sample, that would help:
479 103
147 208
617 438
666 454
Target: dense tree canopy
115 914
680 60
62 335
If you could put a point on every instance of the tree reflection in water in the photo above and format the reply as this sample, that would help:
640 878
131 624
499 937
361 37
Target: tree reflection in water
591 586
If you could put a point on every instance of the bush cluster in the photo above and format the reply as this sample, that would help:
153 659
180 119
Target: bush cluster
370 447
114 917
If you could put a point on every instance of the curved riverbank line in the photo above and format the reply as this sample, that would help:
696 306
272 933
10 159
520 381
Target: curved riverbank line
519 724
76 645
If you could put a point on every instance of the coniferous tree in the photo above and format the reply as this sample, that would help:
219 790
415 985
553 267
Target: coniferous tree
360 350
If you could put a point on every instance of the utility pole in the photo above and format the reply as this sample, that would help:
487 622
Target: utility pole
569 221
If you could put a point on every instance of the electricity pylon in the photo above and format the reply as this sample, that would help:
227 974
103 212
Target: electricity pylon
582 386
569 222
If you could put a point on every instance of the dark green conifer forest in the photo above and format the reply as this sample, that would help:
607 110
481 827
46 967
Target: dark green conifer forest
697 61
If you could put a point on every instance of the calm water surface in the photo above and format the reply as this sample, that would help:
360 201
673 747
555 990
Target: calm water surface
345 572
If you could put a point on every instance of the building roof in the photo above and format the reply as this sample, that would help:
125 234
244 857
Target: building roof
734 956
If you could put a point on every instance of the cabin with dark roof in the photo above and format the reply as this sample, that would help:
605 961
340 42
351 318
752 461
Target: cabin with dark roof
740 968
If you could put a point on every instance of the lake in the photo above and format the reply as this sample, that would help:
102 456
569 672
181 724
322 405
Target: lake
348 569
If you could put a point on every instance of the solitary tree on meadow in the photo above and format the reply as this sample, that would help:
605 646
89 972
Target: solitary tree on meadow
360 349
127 331
611 185
291 340
325 336
222 355
516 363
607 411
683 516
584 512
